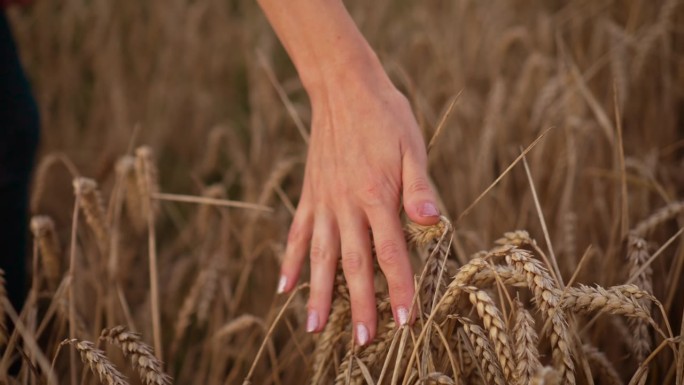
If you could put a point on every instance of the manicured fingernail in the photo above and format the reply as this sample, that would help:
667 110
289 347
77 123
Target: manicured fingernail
281 284
428 210
402 315
312 321
361 334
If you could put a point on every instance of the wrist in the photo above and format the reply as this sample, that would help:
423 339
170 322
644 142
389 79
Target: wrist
353 71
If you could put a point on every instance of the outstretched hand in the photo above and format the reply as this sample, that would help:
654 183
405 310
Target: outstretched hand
366 154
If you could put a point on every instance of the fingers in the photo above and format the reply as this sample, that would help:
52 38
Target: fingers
419 199
392 254
325 246
297 248
358 272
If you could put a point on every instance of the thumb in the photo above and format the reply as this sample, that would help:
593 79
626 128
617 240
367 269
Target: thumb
419 198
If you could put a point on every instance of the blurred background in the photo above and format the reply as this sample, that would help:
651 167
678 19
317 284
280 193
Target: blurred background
205 84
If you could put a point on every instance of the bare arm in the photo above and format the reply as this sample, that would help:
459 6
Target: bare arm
366 154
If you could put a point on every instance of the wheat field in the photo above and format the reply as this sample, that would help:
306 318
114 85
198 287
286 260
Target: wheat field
171 163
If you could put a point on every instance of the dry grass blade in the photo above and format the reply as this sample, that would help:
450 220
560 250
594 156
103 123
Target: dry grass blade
98 362
140 354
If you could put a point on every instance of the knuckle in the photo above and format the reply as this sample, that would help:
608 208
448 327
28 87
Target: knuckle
389 252
298 232
352 262
418 185
319 254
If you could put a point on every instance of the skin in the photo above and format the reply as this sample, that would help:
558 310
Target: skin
365 155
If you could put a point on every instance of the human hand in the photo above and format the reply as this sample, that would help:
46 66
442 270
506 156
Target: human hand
366 154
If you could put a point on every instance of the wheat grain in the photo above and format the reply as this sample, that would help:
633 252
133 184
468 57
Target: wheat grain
140 354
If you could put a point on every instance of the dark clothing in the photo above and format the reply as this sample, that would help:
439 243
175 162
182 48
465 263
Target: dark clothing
19 130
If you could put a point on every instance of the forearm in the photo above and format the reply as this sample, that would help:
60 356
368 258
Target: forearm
323 42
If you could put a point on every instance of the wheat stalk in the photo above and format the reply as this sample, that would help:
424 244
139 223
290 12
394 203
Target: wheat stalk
140 354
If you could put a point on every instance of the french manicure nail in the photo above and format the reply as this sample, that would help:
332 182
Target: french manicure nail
361 334
312 321
428 210
402 315
281 284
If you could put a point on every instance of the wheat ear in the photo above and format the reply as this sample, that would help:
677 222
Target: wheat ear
98 362
548 300
498 333
525 344
637 255
483 352
369 355
328 339
140 354
43 229
616 300
601 367
146 174
663 214
93 209
125 169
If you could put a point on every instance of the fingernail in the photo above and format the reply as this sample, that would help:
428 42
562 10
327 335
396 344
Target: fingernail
281 284
312 321
402 315
361 334
428 210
